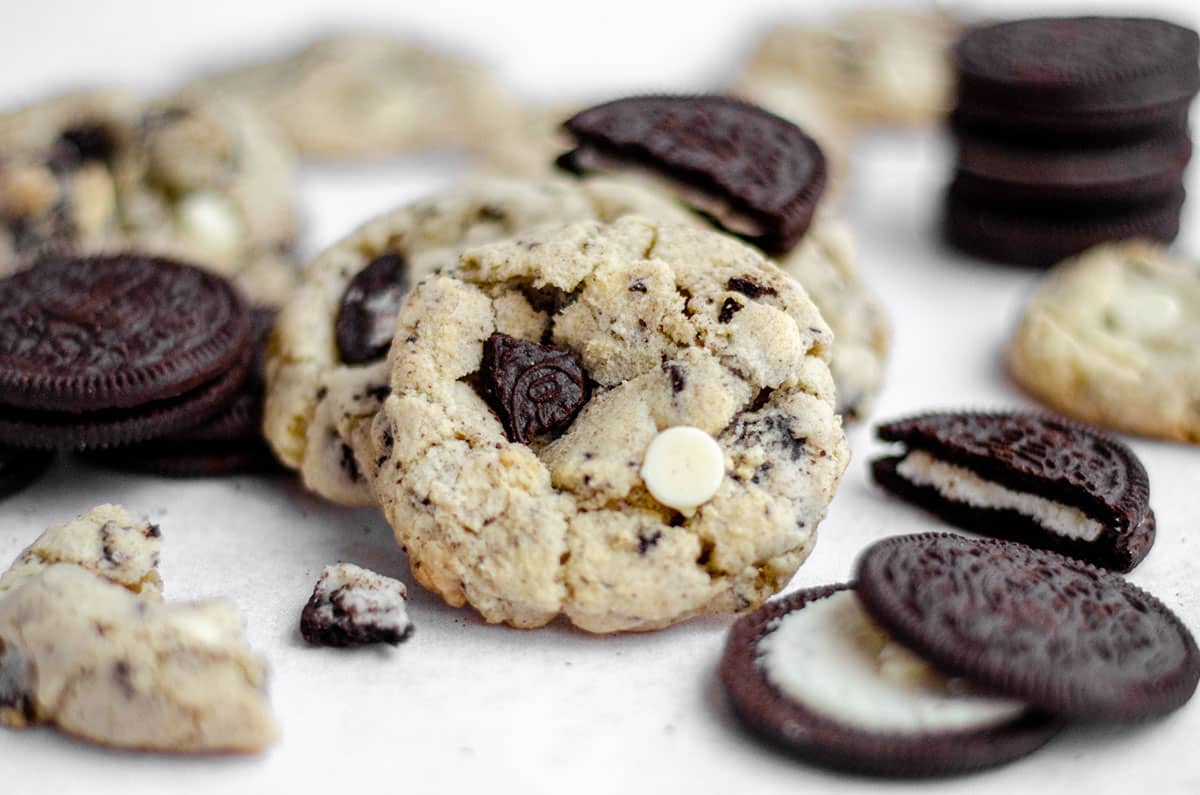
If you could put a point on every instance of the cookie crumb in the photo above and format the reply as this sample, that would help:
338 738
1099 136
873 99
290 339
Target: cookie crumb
352 606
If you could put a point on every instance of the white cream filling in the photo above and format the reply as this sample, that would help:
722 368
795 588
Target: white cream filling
959 484
832 658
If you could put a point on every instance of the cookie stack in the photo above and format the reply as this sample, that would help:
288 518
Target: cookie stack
1070 132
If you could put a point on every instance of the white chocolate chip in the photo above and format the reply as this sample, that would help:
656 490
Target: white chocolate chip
683 468
210 224
1146 312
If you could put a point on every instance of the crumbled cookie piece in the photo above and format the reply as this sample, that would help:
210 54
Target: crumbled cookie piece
351 606
87 644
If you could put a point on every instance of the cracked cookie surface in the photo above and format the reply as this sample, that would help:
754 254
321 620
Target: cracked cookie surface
674 326
1110 338
87 644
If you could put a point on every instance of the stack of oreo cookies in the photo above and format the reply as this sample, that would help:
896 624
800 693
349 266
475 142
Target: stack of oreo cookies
144 362
1070 132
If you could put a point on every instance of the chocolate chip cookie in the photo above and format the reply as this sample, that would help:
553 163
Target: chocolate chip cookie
663 445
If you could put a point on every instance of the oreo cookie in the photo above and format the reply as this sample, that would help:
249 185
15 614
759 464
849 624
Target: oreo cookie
1080 75
533 388
227 443
1032 478
366 317
814 675
1029 624
21 468
1041 237
98 351
753 173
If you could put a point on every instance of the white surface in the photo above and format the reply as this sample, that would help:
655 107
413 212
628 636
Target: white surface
464 707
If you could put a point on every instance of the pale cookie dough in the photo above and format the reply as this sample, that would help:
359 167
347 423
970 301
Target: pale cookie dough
1111 338
197 177
316 403
87 644
824 263
367 95
879 66
674 326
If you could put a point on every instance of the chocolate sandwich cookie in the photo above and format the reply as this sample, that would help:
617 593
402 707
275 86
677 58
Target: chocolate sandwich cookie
1032 478
815 675
20 468
755 174
1026 623
1041 237
99 351
1082 75
227 443
1021 172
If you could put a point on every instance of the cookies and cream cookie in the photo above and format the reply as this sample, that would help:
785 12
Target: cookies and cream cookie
512 455
194 176
87 644
1110 337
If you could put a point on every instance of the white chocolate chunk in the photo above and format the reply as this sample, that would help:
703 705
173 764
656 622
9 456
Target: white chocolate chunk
683 468
830 657
962 485
210 224
1146 312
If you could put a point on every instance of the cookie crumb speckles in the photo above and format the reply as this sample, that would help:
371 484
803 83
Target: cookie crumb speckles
683 468
352 606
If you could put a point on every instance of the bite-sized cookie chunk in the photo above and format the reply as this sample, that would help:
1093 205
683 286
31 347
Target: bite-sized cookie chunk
1093 76
825 265
367 95
610 336
105 350
755 174
352 606
815 675
1111 338
1037 479
86 644
877 66
194 176
1030 624
326 368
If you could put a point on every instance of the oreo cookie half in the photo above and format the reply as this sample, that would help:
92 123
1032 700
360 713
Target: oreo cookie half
1076 75
755 174
1029 624
1031 478
815 675
96 351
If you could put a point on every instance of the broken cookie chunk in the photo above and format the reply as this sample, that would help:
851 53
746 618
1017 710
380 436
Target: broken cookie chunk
353 606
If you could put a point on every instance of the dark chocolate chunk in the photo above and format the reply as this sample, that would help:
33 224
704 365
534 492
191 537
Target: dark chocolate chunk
1038 455
1077 74
1033 625
534 388
20 468
367 317
820 738
754 173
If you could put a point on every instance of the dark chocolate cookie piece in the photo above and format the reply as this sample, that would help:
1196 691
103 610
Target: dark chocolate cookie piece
1040 237
353 606
20 468
1035 453
754 173
1077 73
534 388
1026 623
815 735
113 332
367 316
991 169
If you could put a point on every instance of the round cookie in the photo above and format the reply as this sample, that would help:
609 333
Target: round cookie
1110 338
195 177
812 674
369 95
673 326
317 396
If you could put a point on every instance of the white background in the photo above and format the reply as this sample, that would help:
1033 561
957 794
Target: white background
464 707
